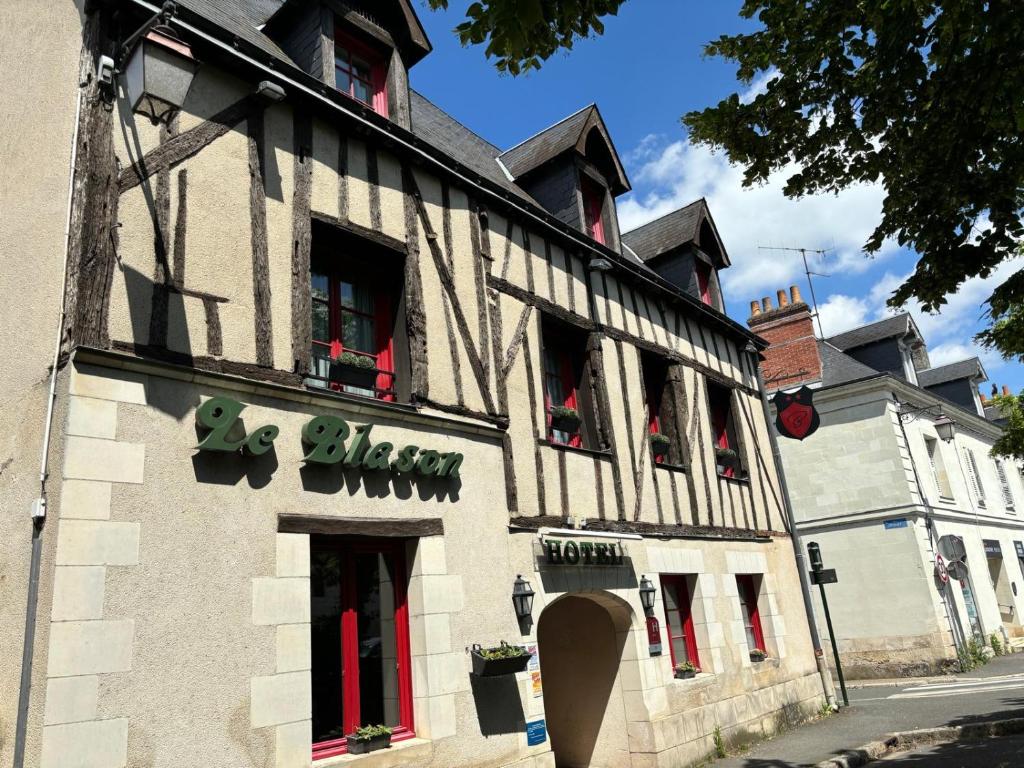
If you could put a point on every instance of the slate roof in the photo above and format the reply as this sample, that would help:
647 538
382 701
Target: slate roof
837 367
566 134
541 147
663 234
241 18
434 125
964 369
896 326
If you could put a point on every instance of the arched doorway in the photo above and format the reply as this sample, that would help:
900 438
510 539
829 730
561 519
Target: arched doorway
580 640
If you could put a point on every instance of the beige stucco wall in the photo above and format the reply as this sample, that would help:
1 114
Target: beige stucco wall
40 43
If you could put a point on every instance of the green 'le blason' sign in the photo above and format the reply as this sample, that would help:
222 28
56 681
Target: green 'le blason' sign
324 442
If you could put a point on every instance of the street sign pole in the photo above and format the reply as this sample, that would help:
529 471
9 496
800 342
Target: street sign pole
821 577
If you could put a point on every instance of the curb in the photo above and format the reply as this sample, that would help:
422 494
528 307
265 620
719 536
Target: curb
905 740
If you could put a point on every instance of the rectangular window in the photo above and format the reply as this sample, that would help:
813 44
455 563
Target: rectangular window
1004 485
360 640
355 306
593 209
661 414
723 431
682 642
563 368
360 72
748 586
974 477
938 467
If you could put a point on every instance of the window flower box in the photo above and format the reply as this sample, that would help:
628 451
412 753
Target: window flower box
726 458
504 659
369 738
660 445
354 370
757 654
564 419
685 671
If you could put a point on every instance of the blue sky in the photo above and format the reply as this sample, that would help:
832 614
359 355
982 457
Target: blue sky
644 73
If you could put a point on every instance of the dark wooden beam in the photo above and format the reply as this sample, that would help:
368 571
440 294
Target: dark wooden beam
189 143
302 240
262 314
361 526
540 303
416 321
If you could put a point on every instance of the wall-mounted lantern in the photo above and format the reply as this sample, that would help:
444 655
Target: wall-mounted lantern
599 264
945 427
522 597
646 593
159 73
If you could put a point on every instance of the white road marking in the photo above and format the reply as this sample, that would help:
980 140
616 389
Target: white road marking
1008 683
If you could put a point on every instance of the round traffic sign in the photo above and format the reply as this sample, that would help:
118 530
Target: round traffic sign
940 569
957 569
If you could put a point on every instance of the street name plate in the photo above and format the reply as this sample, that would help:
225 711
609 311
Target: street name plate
827 576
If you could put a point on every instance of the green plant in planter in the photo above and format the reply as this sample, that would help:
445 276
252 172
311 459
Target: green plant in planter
726 456
660 444
503 651
372 731
356 361
686 666
758 654
565 419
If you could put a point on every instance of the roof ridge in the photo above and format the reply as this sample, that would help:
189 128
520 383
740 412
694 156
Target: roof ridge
664 216
591 105
456 120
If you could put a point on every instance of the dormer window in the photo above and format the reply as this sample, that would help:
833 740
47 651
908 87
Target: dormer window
593 209
360 72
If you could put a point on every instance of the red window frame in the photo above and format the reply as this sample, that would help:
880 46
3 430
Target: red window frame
704 282
558 366
376 83
593 210
350 640
383 324
747 589
678 584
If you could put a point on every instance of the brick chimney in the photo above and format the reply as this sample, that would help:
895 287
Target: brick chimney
792 357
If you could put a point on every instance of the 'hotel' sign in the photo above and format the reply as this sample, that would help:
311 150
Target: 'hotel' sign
583 553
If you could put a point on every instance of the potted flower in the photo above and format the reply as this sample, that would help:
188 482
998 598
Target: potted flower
369 738
503 659
758 654
354 370
565 419
685 670
660 445
726 458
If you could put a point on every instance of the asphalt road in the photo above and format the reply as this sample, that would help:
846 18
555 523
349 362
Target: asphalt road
994 692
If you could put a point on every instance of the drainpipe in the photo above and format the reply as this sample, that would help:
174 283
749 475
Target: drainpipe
39 504
805 585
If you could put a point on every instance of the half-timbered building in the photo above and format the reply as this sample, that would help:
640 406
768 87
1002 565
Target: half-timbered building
342 391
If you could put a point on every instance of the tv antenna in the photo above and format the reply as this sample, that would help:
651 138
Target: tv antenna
807 271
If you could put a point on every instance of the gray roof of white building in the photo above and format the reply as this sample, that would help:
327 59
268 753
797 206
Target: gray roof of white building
896 326
963 369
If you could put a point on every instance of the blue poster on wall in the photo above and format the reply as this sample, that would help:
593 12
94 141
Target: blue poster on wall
536 733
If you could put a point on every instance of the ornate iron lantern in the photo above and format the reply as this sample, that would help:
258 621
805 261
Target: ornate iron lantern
522 597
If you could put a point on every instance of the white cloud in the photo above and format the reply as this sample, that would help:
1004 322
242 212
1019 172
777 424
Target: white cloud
841 313
749 217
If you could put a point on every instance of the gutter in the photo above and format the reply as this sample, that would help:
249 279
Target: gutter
301 83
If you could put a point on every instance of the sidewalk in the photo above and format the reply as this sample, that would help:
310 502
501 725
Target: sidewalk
872 714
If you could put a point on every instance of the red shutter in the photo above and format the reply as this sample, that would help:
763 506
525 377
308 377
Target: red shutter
704 282
385 345
380 88
569 387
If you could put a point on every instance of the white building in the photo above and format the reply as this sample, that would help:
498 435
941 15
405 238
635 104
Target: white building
877 487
